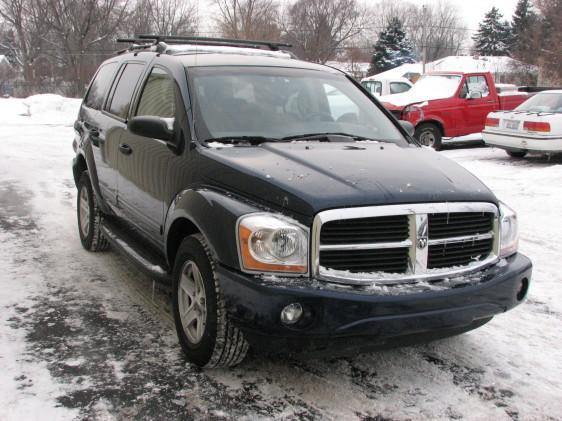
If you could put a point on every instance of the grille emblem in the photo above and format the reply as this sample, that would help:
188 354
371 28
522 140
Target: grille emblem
422 243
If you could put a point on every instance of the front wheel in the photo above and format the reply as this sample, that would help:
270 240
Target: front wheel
428 134
205 333
89 217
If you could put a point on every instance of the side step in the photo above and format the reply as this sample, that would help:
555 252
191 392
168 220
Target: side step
149 263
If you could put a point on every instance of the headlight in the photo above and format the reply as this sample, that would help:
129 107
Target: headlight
272 243
509 235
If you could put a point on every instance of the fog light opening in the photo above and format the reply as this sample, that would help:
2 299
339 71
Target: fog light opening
291 314
523 289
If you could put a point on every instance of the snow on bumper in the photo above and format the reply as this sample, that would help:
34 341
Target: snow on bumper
255 305
523 142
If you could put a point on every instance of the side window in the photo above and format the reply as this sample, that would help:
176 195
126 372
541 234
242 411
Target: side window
398 87
98 87
123 92
158 96
478 84
374 87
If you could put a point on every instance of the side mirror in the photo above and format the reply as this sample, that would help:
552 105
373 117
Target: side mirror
150 126
409 127
474 95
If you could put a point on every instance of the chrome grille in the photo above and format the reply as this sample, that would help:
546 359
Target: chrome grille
365 230
403 242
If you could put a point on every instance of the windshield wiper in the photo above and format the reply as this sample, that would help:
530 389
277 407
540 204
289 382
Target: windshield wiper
252 140
325 137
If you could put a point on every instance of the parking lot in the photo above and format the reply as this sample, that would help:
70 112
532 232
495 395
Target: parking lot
86 336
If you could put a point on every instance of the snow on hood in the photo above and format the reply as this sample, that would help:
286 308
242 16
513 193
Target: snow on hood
429 87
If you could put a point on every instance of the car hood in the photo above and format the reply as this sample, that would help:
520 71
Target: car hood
407 98
307 177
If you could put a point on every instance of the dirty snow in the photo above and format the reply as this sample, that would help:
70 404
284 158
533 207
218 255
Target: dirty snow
82 338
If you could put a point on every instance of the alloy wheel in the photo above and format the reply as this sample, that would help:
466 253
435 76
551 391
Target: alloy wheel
192 302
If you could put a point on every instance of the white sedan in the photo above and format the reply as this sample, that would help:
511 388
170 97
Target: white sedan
534 126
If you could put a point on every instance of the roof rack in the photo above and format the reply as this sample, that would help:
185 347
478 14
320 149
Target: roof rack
146 41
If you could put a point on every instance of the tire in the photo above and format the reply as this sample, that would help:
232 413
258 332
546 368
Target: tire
89 217
429 134
205 333
516 154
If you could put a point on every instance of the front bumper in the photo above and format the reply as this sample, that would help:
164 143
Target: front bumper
333 314
514 141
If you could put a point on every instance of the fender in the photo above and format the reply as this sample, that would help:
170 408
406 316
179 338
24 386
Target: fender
214 215
91 168
433 118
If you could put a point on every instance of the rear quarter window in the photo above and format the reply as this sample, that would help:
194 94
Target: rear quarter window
123 92
98 87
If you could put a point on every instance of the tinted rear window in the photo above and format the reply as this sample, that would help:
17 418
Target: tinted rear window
98 87
123 93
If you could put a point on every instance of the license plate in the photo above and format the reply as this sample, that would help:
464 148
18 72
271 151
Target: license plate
512 124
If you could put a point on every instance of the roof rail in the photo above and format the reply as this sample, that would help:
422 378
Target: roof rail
174 39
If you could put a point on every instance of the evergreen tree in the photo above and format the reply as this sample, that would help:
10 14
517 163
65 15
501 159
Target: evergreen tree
494 36
523 23
392 49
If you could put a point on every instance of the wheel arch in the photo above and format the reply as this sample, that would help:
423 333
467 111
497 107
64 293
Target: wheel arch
435 122
209 213
78 167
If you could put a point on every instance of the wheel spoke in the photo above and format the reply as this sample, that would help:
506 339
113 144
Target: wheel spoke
190 317
192 302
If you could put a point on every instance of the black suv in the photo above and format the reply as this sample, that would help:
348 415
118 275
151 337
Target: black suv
283 204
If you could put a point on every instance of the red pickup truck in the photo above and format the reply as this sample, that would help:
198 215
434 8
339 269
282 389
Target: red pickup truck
450 104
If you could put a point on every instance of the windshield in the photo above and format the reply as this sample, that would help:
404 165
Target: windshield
550 102
277 103
436 86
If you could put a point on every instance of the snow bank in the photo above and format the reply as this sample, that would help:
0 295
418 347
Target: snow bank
39 109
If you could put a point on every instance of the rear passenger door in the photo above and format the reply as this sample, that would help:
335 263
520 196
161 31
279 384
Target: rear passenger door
114 114
143 162
98 128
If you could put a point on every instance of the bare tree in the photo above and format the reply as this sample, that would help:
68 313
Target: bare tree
437 29
317 28
79 30
549 46
248 19
23 40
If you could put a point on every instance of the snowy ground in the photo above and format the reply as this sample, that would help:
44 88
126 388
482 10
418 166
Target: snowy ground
83 335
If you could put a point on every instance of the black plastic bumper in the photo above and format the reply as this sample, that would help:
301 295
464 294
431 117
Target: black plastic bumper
334 316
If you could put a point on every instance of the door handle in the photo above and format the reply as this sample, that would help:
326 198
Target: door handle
94 134
125 149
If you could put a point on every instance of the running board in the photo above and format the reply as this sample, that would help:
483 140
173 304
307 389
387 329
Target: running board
133 250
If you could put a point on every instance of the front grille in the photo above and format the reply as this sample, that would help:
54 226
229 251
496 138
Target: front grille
445 225
404 241
458 254
394 260
365 230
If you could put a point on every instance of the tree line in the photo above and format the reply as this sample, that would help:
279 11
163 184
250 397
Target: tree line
533 36
61 42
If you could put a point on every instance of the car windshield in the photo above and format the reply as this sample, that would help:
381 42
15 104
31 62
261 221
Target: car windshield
274 103
436 86
546 102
